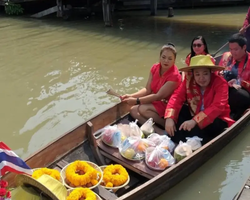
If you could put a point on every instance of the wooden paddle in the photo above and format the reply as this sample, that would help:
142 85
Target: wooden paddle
113 93
219 49
228 42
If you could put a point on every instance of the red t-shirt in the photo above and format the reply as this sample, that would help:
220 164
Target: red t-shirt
158 81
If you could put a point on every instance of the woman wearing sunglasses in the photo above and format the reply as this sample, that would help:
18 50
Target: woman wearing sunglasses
198 47
163 79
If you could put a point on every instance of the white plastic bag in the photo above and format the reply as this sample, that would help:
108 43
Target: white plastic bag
135 131
162 141
111 136
133 148
194 142
147 127
182 150
167 144
158 158
156 138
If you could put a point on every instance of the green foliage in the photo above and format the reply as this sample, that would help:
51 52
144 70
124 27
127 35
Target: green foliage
13 9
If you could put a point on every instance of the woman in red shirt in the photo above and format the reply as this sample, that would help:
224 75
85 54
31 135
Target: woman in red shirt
163 79
198 47
207 111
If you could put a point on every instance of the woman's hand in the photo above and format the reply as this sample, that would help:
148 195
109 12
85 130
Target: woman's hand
236 86
188 125
170 126
231 82
130 100
123 97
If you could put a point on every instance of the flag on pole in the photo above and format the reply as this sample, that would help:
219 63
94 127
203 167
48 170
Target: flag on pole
10 162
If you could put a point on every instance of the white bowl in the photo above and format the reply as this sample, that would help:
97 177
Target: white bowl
63 174
116 187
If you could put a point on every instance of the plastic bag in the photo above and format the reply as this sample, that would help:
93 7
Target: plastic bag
182 150
158 158
167 144
162 141
156 138
147 127
194 142
112 136
135 131
125 130
133 148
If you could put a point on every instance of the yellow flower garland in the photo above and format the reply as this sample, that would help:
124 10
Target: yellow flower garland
51 172
79 193
88 178
114 175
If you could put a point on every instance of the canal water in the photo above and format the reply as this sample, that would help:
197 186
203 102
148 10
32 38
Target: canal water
54 75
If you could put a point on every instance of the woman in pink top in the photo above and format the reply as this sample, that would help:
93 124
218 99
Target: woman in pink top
164 78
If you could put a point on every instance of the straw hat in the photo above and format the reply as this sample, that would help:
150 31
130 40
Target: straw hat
46 184
202 61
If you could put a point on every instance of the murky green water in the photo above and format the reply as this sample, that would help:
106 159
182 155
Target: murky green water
54 75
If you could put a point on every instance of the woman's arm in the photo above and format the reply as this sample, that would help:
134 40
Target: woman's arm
143 92
164 93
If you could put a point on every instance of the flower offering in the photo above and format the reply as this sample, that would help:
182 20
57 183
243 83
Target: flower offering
114 175
82 174
82 194
51 172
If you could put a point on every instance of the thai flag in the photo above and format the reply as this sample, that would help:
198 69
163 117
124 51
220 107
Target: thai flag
10 162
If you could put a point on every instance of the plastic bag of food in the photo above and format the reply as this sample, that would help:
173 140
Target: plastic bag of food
125 130
112 136
133 148
167 144
156 138
182 150
135 131
158 158
194 142
147 127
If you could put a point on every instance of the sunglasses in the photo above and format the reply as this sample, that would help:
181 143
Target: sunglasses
197 45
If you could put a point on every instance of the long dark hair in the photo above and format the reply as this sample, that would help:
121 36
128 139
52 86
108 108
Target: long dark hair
203 41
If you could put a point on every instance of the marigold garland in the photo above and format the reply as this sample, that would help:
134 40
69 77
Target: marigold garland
114 175
84 193
51 172
80 173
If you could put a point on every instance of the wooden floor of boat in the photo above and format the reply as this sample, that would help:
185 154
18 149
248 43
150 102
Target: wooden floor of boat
84 152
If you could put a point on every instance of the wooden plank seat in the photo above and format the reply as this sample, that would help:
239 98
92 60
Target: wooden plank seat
139 167
102 192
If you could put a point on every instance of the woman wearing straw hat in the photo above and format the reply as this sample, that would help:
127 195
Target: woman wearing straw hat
45 188
207 111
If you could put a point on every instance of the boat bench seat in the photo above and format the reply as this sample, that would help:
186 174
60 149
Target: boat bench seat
139 167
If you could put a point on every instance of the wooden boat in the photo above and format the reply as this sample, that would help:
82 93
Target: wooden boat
244 193
82 143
